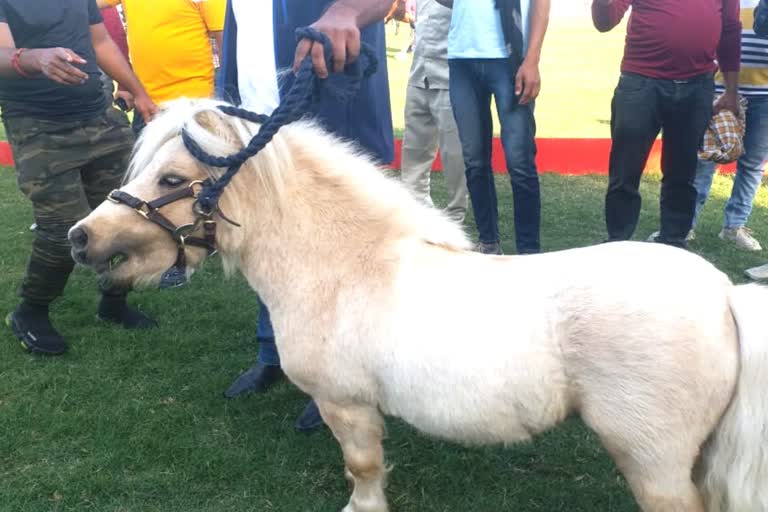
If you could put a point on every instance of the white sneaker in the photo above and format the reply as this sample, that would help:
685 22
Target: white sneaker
758 273
741 237
689 238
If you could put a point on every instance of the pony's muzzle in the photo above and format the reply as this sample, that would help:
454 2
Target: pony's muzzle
78 239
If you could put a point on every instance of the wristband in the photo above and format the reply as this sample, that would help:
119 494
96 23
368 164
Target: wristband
15 62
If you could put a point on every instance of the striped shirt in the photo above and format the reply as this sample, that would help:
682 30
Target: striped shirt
753 77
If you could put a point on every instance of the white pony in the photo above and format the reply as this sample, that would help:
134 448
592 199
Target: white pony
380 308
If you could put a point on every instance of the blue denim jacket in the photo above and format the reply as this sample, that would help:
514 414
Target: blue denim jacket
760 25
366 119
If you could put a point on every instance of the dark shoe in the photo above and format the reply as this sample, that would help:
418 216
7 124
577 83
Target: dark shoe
654 237
32 326
489 248
309 419
657 238
115 309
256 380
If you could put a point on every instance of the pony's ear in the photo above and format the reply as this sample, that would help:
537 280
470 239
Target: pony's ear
219 124
210 120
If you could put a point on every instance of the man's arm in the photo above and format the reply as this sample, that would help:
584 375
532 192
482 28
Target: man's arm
606 14
341 23
54 63
528 80
730 98
114 64
729 56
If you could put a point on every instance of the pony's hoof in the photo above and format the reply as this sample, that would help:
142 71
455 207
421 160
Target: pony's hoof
351 508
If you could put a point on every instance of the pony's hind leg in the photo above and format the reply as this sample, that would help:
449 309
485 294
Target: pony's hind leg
655 440
359 431
658 466
662 487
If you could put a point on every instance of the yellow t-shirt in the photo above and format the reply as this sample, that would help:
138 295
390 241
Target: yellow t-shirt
170 47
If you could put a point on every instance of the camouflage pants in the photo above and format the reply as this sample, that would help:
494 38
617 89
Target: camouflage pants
65 169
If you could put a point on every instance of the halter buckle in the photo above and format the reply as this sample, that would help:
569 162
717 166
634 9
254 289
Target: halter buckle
144 210
196 183
182 232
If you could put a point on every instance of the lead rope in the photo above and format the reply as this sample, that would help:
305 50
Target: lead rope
301 99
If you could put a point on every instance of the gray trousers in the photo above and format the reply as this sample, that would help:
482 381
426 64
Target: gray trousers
429 125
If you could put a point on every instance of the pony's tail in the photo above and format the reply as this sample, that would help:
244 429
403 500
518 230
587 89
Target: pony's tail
734 476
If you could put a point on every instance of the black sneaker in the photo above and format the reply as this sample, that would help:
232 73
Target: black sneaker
309 420
114 309
257 379
33 328
493 248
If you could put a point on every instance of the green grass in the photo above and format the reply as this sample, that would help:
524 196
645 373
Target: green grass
136 421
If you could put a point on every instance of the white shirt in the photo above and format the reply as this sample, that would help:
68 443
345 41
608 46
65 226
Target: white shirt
256 67
476 31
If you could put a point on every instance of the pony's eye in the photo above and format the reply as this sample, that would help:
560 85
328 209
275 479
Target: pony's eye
171 180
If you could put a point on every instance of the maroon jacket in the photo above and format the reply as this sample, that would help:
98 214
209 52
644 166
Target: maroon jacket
675 39
114 26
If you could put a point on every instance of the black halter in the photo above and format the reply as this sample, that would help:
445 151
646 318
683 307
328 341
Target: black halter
182 235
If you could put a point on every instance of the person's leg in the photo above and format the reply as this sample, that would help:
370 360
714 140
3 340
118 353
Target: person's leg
110 152
749 170
635 123
518 137
705 173
471 102
419 143
48 174
686 111
266 371
265 336
450 155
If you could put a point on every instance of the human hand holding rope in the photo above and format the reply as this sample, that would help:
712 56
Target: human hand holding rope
341 24
340 28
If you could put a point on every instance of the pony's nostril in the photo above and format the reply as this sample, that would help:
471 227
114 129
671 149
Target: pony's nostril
78 238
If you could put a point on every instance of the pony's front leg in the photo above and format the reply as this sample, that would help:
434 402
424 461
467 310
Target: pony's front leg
359 430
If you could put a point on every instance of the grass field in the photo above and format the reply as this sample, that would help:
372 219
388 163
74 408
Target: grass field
135 422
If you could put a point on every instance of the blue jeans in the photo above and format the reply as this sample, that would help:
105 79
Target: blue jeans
640 108
266 337
472 83
749 169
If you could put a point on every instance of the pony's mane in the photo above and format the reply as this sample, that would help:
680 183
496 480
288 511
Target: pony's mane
327 157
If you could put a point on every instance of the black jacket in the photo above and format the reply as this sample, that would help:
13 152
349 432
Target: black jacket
512 25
